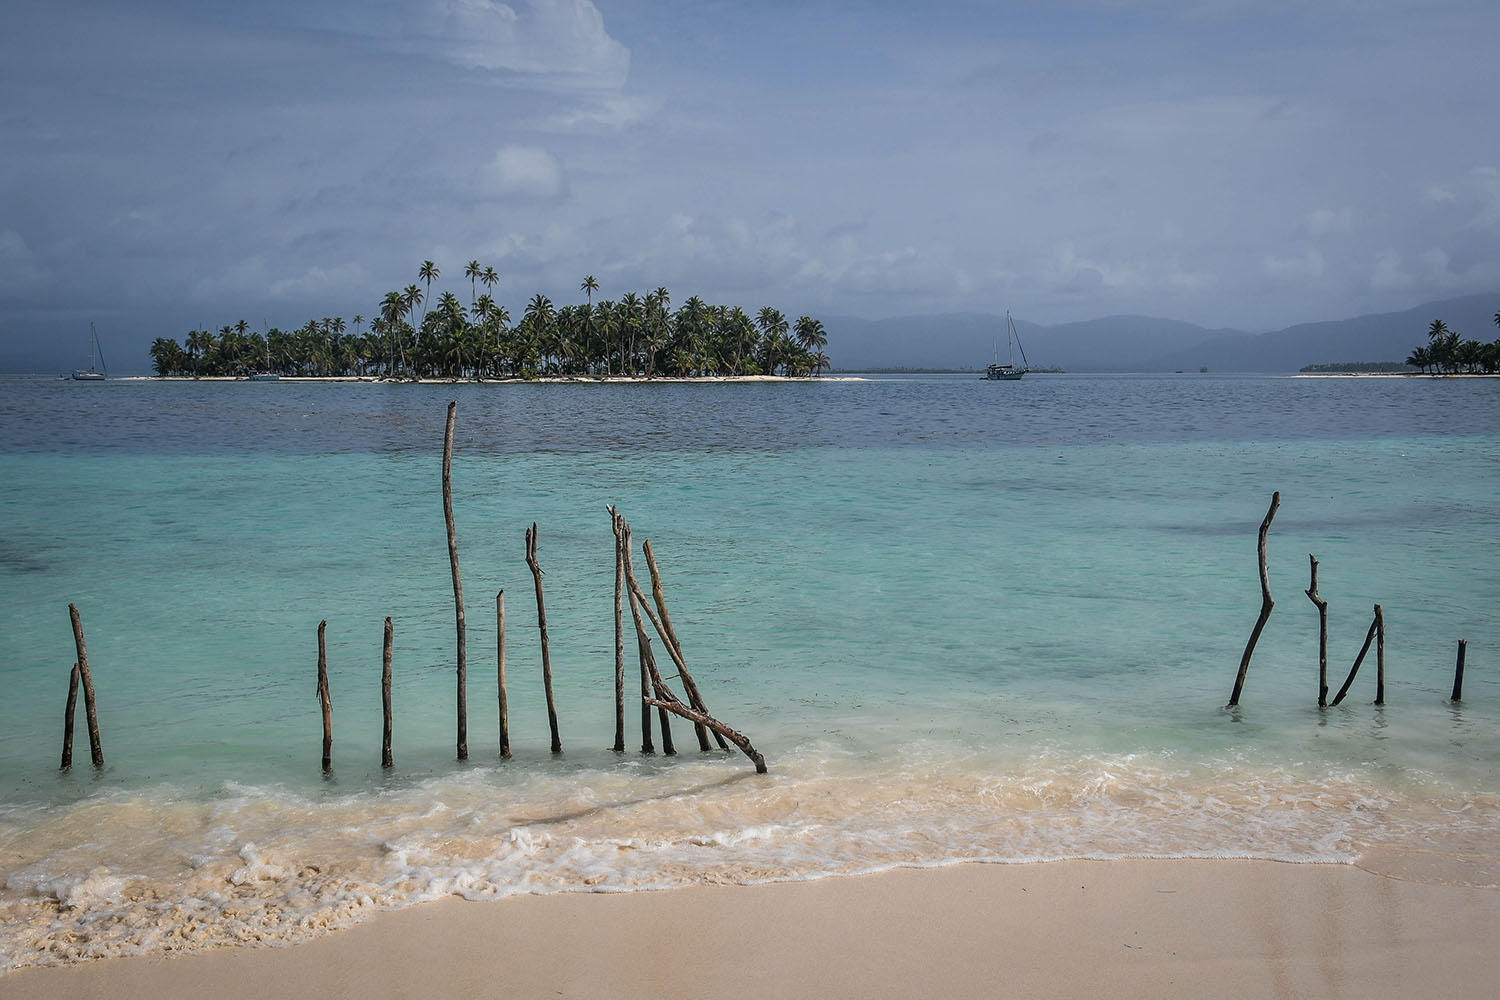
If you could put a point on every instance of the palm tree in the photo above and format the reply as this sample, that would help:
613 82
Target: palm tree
812 338
427 274
472 271
1420 357
590 286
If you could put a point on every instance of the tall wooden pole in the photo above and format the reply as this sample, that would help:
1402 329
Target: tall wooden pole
650 681
1458 672
1369 638
541 622
1312 595
68 714
1266 604
1379 656
385 695
90 711
500 674
323 700
615 521
458 587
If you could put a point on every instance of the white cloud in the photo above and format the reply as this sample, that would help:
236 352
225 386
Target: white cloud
523 173
565 39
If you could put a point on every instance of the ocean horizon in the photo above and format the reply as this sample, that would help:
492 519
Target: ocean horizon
963 621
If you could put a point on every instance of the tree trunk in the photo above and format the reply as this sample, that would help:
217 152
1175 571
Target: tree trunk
68 714
458 587
674 649
619 747
1458 672
323 699
541 622
1312 595
90 710
1266 604
500 675
1369 638
385 695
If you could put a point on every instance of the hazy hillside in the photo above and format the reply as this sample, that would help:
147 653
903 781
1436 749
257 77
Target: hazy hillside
1142 343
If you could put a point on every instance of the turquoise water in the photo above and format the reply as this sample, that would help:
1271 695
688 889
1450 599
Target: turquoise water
961 621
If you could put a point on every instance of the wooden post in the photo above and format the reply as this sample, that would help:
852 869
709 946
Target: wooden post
1369 638
1322 605
500 674
90 710
1266 604
1379 656
619 747
1458 672
674 649
650 682
541 622
323 700
385 695
68 714
458 587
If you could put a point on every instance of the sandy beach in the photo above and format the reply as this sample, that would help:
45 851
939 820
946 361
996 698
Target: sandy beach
1211 928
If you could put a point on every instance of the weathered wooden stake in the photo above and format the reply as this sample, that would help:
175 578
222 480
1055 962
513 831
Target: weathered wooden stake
1266 604
541 622
323 700
1312 595
385 695
1379 656
1458 672
649 680
458 587
68 713
619 747
1369 638
674 649
90 710
500 674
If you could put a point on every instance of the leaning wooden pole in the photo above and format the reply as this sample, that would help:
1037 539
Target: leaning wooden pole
458 587
1322 605
541 623
615 521
1458 672
669 637
1266 604
68 714
1379 656
385 694
500 675
650 681
90 710
1369 638
323 699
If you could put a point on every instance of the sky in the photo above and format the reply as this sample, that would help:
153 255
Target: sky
167 165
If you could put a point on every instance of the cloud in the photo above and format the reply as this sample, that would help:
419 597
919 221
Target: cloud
19 270
1326 220
523 173
1306 266
563 39
250 278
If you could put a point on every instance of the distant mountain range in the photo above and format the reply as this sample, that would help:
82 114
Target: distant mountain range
1143 343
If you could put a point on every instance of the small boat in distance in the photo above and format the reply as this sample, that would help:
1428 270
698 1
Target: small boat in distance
97 371
266 374
1008 372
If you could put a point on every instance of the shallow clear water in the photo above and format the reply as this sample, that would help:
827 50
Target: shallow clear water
962 620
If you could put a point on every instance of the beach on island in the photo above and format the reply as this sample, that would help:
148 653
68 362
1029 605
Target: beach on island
1124 929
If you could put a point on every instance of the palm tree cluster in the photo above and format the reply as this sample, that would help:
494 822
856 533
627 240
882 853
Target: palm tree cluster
413 336
1446 352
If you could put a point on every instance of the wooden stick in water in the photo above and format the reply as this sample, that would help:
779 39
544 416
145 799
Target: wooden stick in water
619 747
500 674
1369 638
674 649
458 587
541 622
1312 595
323 700
90 710
1379 656
385 695
1458 672
68 714
1266 604
650 681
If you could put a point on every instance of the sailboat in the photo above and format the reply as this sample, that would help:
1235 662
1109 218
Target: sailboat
97 371
266 374
1008 372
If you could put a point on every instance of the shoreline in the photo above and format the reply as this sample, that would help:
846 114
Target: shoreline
1121 928
549 379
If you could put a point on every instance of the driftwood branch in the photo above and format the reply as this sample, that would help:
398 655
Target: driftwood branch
458 587
68 714
615 521
90 711
1266 604
643 641
1369 638
500 674
1379 656
669 637
541 622
1458 672
385 694
323 700
1312 595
